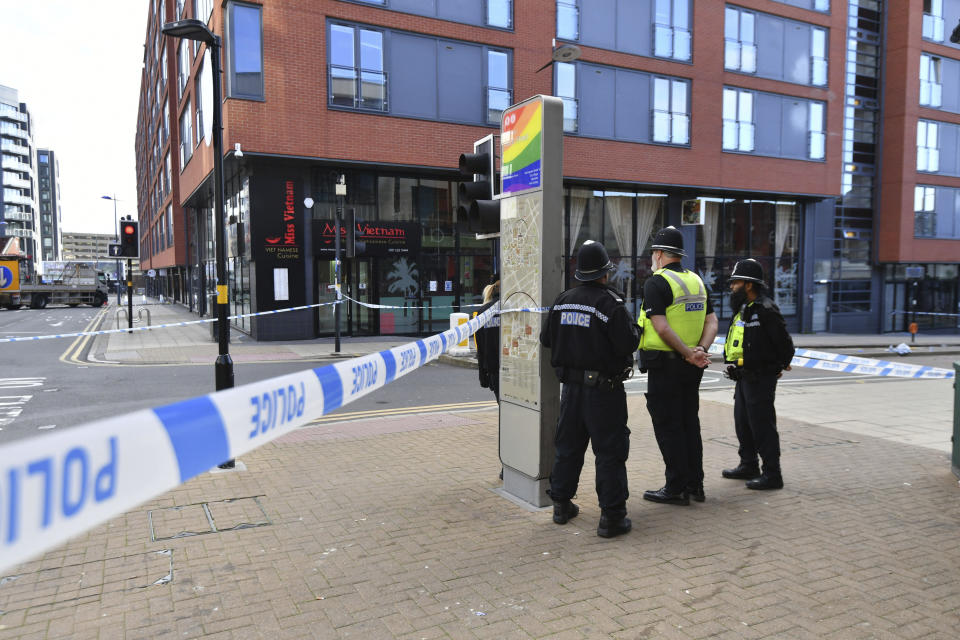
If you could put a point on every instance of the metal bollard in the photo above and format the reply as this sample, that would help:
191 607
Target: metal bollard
956 420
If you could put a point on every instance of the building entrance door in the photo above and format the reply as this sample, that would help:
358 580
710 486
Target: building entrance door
357 283
821 306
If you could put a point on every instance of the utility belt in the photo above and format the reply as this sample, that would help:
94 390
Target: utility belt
592 378
739 373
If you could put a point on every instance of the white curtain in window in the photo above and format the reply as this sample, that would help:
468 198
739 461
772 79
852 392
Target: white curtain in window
620 210
711 228
647 209
578 206
784 221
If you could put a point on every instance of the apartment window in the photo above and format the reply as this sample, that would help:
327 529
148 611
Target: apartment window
186 135
199 101
183 64
818 57
671 29
166 174
356 79
179 9
928 150
567 91
924 214
166 123
163 66
568 20
169 225
671 122
933 20
500 13
498 85
740 43
821 5
930 87
738 127
245 51
202 10
817 144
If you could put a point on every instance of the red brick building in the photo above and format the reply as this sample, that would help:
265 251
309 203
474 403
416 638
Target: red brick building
757 107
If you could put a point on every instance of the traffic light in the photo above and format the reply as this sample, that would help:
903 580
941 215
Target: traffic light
129 239
477 206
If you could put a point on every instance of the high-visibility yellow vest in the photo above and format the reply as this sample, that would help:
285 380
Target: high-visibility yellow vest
685 315
733 347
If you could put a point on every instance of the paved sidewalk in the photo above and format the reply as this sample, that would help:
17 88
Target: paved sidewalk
397 533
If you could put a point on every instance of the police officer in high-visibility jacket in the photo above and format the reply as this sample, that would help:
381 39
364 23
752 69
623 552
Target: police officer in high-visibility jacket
757 350
678 326
592 338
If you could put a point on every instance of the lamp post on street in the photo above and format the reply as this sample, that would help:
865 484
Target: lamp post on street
116 223
191 29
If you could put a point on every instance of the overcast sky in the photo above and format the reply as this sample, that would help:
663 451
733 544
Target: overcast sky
76 64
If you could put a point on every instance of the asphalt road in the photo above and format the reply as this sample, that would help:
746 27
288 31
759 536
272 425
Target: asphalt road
41 391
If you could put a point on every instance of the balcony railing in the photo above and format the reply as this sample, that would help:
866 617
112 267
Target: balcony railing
10 113
16 198
10 146
22 216
8 129
15 165
18 182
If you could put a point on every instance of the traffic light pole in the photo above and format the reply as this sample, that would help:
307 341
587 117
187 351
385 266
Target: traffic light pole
336 275
129 294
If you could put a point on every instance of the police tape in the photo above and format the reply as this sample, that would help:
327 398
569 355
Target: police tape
58 485
186 323
827 361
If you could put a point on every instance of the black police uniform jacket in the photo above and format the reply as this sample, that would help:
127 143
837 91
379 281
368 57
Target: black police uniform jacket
589 328
767 347
488 350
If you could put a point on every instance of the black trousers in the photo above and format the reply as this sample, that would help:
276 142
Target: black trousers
756 421
599 415
673 400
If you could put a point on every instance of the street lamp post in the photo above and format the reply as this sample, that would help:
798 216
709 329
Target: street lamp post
191 29
116 223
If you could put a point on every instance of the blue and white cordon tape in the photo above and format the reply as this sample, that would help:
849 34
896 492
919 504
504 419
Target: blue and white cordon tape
810 359
55 486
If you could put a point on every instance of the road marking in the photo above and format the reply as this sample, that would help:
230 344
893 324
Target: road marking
389 413
72 354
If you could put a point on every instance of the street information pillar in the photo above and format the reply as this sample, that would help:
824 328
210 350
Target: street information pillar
531 218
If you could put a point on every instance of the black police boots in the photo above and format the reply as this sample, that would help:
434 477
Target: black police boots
564 511
663 497
613 523
696 493
766 482
742 472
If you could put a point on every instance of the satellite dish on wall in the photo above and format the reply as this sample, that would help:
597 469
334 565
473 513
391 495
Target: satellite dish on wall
563 53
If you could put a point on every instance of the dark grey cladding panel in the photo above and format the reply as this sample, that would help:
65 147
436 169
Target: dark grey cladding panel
796 53
767 115
950 83
419 7
794 125
412 68
769 36
634 27
598 23
468 11
947 143
632 106
461 81
596 100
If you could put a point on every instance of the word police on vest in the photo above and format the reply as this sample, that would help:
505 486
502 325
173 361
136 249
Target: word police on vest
574 318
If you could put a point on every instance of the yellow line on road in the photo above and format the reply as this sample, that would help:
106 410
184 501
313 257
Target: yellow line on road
387 413
72 354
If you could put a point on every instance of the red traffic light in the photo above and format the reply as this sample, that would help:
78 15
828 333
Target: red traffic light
129 230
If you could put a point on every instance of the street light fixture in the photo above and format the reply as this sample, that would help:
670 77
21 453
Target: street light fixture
191 29
116 223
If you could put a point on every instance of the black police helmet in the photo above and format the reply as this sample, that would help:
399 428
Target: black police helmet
749 270
592 262
669 239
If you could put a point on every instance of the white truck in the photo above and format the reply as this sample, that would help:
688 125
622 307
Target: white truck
69 283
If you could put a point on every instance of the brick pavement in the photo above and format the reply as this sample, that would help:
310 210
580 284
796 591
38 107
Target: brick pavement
382 531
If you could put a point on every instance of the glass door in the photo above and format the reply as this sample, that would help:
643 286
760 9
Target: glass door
363 320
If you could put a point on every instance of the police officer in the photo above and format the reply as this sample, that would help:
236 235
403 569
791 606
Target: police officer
592 337
757 350
678 327
488 340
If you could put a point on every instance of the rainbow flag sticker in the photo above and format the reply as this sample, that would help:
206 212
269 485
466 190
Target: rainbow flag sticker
520 139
